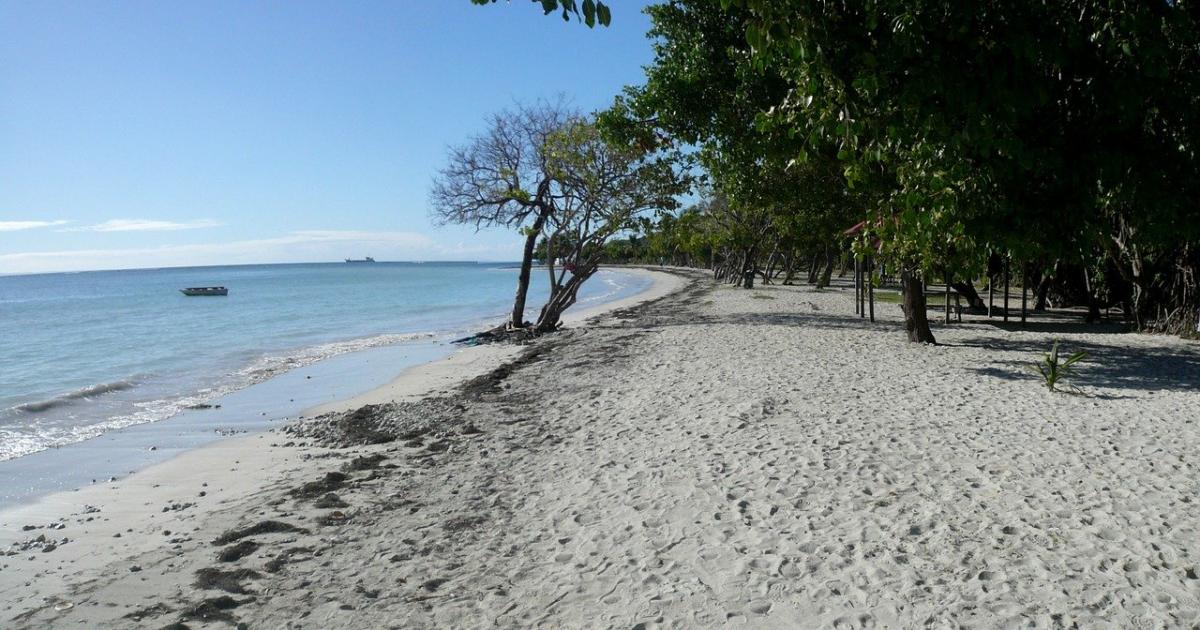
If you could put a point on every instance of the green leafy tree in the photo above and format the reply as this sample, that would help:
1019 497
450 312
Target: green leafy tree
506 177
704 91
606 188
999 124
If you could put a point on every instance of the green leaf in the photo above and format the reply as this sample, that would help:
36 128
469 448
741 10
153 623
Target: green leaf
589 12
549 6
753 36
1075 358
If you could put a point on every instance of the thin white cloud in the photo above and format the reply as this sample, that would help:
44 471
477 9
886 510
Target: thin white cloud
13 226
301 246
147 225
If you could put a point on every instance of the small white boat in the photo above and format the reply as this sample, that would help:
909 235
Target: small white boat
205 291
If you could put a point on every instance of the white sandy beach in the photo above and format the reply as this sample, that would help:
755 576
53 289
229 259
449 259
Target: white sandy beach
714 458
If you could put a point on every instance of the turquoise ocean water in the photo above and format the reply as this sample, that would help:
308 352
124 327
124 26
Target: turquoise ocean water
83 354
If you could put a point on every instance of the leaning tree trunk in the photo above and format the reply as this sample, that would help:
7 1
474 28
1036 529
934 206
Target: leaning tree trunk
827 272
814 268
562 298
517 319
967 290
789 269
916 320
1043 289
748 268
769 271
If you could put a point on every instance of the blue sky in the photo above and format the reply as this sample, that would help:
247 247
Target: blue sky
142 134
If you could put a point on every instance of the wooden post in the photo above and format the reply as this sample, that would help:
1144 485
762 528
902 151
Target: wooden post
1006 274
947 279
871 285
857 284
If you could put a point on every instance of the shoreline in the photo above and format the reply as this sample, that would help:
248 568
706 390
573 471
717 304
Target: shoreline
713 458
89 527
68 406
250 409
421 380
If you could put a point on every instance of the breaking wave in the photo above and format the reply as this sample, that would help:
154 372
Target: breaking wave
39 436
79 394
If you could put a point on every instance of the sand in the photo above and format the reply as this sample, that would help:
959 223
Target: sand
440 376
713 458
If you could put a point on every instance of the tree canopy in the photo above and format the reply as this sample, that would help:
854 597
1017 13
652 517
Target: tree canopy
549 172
1060 135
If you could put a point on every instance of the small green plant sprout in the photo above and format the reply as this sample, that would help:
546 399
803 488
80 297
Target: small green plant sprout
1054 368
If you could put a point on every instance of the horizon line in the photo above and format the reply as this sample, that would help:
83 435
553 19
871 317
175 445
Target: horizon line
4 274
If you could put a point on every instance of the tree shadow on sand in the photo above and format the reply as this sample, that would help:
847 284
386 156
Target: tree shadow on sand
1058 324
816 319
1108 366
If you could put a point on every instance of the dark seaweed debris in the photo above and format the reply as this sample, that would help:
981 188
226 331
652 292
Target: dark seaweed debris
238 551
212 578
215 609
262 527
330 482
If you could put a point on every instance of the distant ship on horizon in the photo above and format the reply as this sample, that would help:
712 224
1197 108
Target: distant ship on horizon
368 259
